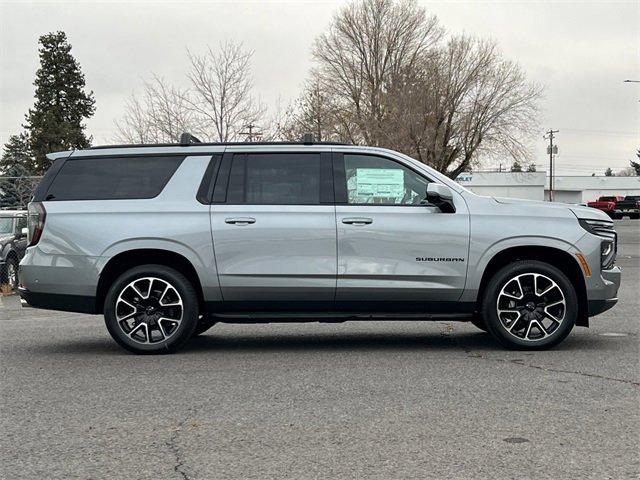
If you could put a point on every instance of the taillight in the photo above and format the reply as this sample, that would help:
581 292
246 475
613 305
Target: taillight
35 222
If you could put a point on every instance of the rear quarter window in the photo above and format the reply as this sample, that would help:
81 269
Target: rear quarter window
112 178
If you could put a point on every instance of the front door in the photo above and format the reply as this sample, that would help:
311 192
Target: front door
274 234
394 249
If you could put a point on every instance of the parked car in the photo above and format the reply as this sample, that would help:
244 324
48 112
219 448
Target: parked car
606 204
165 240
13 243
628 206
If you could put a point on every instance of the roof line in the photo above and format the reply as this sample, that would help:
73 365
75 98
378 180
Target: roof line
208 144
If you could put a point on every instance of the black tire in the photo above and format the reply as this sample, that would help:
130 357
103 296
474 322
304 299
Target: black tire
204 324
173 333
533 311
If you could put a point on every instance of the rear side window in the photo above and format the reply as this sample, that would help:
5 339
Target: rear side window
112 178
275 179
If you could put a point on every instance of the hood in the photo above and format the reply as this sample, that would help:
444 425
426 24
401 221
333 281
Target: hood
578 210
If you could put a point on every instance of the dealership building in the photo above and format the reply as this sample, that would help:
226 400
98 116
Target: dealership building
535 186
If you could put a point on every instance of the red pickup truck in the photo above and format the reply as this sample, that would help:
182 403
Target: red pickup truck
607 204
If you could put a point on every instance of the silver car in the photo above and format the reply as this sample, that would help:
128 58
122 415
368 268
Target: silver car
166 240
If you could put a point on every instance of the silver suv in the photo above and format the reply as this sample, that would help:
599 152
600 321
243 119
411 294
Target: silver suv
166 240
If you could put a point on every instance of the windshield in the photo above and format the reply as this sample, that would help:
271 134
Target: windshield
6 225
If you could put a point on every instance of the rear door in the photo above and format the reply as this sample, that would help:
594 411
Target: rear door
395 250
274 231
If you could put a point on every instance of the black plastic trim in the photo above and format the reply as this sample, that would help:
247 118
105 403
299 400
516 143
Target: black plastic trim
222 179
596 307
208 180
64 303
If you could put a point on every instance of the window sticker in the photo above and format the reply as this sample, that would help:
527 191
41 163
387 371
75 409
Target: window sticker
380 183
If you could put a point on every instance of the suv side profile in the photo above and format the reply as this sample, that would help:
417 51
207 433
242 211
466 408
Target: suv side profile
13 243
166 240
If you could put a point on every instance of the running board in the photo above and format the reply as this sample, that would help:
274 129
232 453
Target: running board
271 317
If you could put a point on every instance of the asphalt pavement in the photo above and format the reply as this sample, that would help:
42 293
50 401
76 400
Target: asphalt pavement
383 400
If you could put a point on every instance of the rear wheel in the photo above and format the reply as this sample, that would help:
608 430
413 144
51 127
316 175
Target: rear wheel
530 305
151 309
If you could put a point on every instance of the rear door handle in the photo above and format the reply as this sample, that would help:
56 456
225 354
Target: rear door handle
240 220
357 221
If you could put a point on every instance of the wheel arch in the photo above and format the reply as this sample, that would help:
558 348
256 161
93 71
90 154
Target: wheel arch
128 259
560 259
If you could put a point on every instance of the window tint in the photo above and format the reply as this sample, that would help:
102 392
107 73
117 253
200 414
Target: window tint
22 223
275 179
112 178
380 181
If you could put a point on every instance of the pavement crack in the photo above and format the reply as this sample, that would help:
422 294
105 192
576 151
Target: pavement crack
470 354
180 467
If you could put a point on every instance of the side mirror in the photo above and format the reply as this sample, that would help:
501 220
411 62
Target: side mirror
440 196
24 231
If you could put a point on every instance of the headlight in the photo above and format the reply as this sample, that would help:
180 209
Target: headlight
607 254
609 245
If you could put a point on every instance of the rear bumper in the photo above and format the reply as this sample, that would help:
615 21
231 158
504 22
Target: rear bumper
54 301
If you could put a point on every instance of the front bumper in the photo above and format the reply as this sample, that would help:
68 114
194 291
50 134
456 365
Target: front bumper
607 293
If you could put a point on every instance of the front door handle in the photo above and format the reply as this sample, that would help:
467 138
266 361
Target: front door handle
357 221
240 220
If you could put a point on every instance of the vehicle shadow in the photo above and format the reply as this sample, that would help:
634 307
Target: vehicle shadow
214 344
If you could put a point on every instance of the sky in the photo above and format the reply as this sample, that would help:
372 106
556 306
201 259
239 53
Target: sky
579 51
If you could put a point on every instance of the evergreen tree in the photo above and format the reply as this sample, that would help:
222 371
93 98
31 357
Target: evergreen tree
516 167
608 172
55 121
16 166
531 167
636 165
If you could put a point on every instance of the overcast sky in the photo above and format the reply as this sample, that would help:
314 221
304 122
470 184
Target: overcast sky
580 51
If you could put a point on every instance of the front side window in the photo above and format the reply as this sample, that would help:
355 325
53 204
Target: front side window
375 180
275 179
6 224
112 178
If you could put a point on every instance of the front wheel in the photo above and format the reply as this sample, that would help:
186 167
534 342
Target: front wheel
151 309
530 305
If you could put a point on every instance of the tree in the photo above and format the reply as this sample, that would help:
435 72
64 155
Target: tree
608 172
217 106
61 103
16 167
516 167
222 87
636 165
161 115
392 81
531 167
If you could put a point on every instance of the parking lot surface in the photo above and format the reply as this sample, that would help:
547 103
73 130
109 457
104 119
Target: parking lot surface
354 400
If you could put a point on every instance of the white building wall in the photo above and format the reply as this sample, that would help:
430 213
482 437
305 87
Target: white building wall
535 186
527 185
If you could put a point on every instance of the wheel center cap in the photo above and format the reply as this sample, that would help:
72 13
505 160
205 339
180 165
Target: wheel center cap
150 310
530 306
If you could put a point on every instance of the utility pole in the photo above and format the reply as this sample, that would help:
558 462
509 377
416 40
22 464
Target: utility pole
551 151
250 133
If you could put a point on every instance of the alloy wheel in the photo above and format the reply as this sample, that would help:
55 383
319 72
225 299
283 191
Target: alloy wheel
149 310
531 306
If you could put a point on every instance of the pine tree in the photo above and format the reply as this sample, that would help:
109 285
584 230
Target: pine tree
55 121
16 165
16 156
608 172
636 165
516 167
